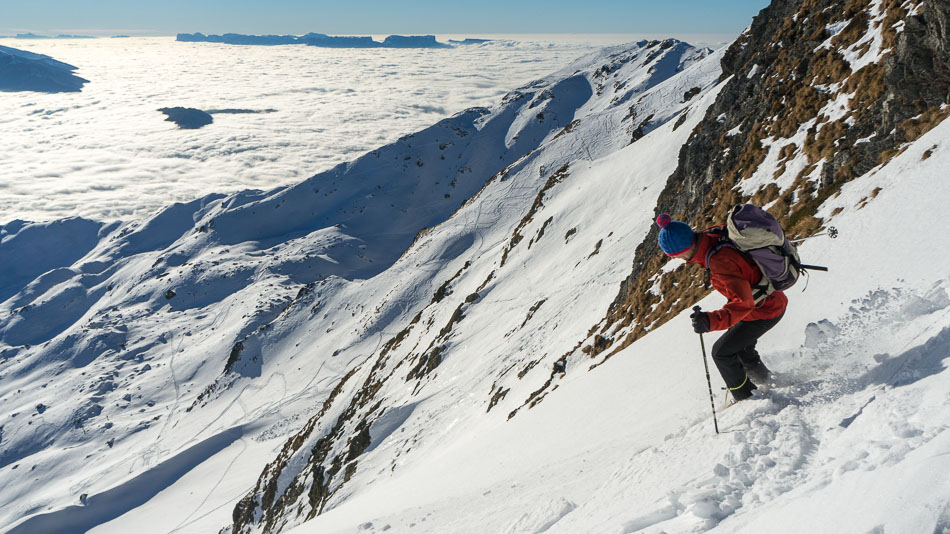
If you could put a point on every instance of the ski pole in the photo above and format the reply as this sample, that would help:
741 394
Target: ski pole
832 233
712 401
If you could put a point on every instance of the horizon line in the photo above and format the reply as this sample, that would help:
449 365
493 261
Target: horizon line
160 33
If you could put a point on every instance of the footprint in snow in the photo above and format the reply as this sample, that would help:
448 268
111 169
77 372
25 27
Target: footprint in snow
540 519
770 445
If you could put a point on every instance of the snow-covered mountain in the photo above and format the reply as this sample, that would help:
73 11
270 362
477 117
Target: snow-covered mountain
447 334
26 71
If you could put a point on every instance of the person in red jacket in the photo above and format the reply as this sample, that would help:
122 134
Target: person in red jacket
734 275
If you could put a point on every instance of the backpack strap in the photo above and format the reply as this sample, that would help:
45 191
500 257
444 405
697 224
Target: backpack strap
720 234
759 291
722 241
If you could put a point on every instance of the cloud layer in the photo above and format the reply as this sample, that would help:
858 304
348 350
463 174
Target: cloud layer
108 153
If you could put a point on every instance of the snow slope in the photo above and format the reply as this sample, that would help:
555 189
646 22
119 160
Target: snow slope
396 345
857 444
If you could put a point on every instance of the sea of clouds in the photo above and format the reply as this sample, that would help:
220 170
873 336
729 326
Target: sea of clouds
108 153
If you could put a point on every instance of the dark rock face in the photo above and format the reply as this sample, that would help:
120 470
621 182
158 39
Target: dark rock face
25 71
187 118
919 70
784 73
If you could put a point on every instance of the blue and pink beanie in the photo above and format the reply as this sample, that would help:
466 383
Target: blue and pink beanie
675 237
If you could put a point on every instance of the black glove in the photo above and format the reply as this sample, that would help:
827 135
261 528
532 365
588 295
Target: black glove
700 322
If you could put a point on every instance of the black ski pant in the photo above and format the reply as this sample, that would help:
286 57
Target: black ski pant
735 350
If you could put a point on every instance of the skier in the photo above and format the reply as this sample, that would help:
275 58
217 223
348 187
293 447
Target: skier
733 275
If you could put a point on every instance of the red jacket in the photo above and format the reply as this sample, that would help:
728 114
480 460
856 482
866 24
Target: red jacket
733 275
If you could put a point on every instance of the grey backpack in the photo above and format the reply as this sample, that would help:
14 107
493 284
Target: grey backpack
760 238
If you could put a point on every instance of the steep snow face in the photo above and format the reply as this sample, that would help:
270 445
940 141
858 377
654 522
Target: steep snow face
527 242
26 71
134 354
630 446
459 262
645 462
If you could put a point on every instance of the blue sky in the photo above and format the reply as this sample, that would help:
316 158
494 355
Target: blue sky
378 16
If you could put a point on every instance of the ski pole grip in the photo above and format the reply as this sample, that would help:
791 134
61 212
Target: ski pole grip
697 308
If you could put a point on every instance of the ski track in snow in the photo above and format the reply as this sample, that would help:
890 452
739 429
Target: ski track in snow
114 502
190 518
162 470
